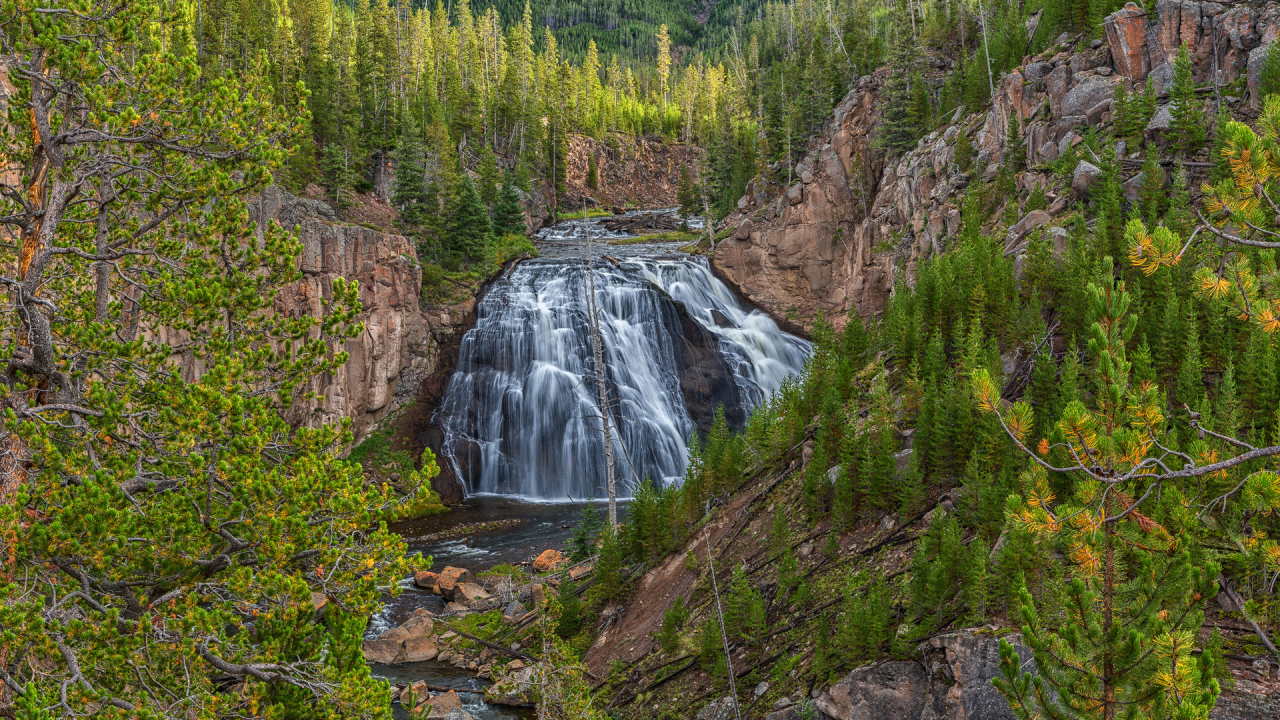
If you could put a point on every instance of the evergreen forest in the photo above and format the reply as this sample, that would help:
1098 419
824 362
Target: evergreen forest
1061 436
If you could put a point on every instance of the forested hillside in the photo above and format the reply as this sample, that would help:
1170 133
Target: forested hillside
1033 245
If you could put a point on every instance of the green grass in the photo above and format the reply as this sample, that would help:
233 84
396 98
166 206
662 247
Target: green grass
375 455
670 236
497 571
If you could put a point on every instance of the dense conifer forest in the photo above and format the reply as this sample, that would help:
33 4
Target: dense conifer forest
170 546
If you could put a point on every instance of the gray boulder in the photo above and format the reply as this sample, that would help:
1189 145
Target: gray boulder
1086 95
1085 176
1033 72
952 679
1029 222
1161 121
1162 76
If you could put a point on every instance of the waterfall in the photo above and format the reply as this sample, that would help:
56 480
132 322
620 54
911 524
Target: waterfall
520 416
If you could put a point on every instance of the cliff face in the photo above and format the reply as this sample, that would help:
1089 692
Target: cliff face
638 172
832 236
400 345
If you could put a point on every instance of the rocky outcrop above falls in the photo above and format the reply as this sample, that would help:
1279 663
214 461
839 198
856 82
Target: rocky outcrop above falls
828 241
831 234
633 172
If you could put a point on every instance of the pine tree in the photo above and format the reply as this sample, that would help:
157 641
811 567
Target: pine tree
920 110
1015 148
1152 193
898 129
593 172
1186 125
686 194
964 151
470 232
1190 386
585 533
814 486
409 189
711 647
487 177
1122 650
336 175
1122 120
743 609
508 215
609 564
115 440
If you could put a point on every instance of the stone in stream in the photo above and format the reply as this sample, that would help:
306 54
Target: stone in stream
427 580
382 652
450 578
549 560
419 649
403 643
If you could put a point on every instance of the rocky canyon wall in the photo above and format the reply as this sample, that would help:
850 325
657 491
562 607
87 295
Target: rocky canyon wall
832 234
401 346
638 172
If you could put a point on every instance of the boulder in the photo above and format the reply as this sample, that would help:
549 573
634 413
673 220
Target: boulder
1029 222
537 591
549 560
419 649
1126 31
420 625
580 571
1056 85
1033 72
895 689
1161 76
518 688
1161 121
1059 236
952 679
444 702
1085 95
450 577
382 652
795 195
427 580
1178 23
1085 176
1098 113
514 611
470 594
1254 70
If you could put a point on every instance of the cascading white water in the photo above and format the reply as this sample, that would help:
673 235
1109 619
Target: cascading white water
520 416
